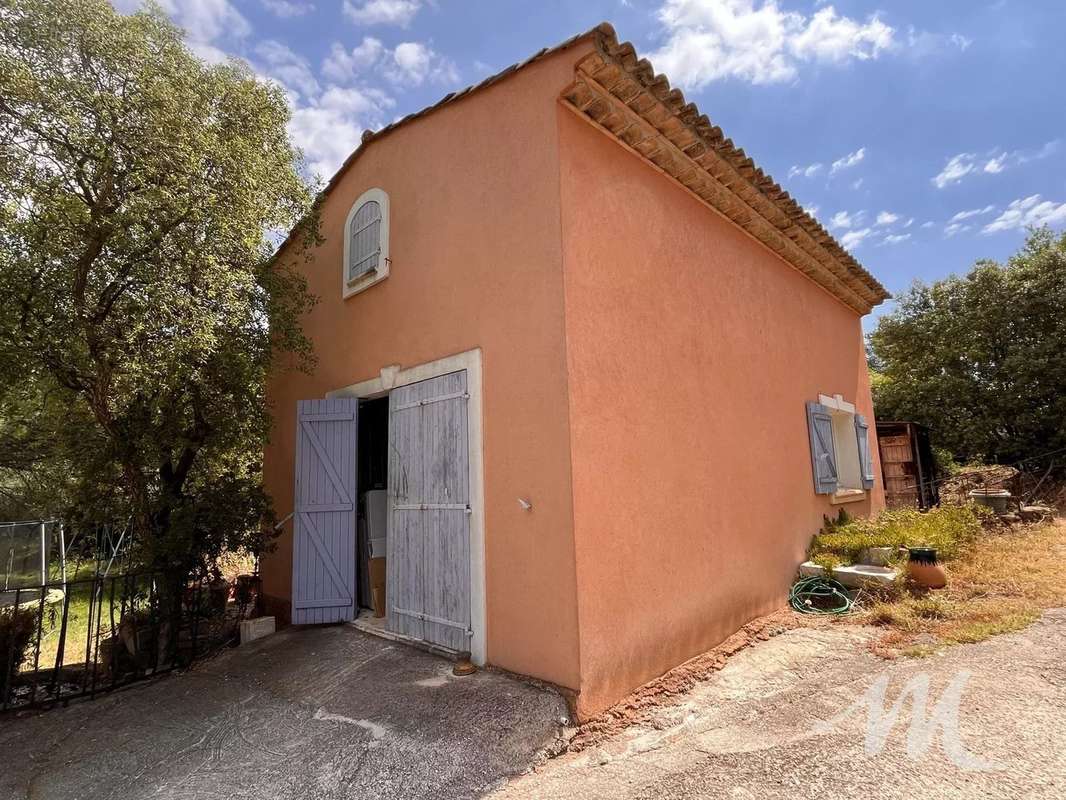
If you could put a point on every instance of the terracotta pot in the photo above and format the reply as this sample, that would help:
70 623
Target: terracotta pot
924 568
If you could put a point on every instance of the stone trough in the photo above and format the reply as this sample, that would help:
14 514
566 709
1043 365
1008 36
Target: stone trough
854 576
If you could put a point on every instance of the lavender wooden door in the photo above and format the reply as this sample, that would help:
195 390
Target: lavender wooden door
323 547
428 582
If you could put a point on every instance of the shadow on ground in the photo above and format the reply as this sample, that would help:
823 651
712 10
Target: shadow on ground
314 713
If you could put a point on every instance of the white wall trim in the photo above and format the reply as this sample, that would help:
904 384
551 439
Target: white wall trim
837 403
348 288
394 375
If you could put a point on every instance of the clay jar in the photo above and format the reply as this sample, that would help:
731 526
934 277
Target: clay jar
924 568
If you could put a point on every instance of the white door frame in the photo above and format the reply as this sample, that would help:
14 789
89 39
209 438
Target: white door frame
393 376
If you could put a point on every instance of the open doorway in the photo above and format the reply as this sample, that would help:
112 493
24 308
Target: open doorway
372 522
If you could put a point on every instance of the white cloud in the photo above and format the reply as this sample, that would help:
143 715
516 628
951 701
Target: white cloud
995 162
843 220
812 210
848 161
895 238
284 65
1026 212
924 44
954 228
908 223
887 218
755 41
835 39
995 165
973 212
1049 149
287 8
808 171
329 128
414 62
928 225
344 66
382 12
960 41
957 168
408 64
852 240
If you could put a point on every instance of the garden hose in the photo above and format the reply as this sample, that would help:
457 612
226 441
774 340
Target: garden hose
819 595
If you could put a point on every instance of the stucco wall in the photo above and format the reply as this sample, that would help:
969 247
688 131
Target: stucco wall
691 351
476 262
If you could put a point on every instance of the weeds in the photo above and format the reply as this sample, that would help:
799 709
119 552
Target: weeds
949 529
996 584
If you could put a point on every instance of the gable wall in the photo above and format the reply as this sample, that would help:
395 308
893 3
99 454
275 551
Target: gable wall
476 262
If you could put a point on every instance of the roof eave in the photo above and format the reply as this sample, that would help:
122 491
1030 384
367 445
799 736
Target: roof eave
621 94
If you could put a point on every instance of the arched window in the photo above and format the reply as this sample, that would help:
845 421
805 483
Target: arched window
366 241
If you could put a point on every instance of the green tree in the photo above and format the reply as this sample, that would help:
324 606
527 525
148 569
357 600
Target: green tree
140 308
981 358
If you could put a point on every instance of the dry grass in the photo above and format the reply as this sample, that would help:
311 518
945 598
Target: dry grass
1000 583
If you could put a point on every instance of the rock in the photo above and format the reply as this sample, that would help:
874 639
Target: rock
1010 519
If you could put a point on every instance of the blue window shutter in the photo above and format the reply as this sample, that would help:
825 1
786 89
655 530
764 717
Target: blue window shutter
823 456
323 545
866 462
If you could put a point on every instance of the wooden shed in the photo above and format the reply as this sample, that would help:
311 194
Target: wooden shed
907 465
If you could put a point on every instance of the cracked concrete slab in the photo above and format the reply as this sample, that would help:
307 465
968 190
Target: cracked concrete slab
323 713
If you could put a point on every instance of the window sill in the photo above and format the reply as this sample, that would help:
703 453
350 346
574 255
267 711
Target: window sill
847 496
364 282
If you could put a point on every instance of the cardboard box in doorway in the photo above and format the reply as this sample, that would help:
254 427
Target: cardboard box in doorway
377 585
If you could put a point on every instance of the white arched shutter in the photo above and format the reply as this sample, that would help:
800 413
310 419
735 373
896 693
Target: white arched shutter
364 245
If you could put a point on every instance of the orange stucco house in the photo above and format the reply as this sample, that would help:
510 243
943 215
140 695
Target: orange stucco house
587 379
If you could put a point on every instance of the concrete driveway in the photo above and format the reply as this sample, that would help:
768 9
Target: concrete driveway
315 713
789 719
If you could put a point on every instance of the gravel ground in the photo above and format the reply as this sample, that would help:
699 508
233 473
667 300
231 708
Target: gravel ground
315 714
768 726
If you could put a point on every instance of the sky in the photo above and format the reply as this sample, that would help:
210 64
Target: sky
924 134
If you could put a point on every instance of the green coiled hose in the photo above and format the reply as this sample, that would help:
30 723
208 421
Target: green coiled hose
819 595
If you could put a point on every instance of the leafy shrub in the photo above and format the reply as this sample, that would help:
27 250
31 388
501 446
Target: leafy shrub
949 529
17 628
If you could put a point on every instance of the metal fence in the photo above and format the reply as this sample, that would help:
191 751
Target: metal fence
65 640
